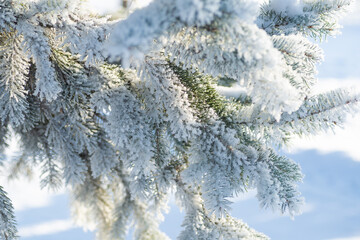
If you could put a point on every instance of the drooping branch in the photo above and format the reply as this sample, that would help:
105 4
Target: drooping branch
8 229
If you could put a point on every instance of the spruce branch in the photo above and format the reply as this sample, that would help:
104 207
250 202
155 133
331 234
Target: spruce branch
124 138
199 224
318 19
8 229
318 113
14 70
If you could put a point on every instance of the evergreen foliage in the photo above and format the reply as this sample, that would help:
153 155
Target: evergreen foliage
7 219
126 112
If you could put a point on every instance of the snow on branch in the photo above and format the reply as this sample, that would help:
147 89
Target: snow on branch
311 18
14 67
7 219
37 44
243 53
123 139
301 57
318 113
199 224
133 37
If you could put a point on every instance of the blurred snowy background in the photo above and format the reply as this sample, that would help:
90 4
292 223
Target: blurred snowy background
331 164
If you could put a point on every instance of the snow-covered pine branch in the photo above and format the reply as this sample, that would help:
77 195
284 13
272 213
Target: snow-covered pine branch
243 53
319 113
322 112
198 224
14 68
133 37
301 57
311 18
125 135
7 219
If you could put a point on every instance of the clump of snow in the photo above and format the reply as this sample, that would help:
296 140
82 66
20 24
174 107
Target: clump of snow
231 92
290 7
246 10
198 12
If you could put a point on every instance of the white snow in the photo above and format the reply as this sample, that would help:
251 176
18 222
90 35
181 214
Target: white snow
290 7
234 91
113 5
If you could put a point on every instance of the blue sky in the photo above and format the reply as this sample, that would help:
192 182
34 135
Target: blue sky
331 165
